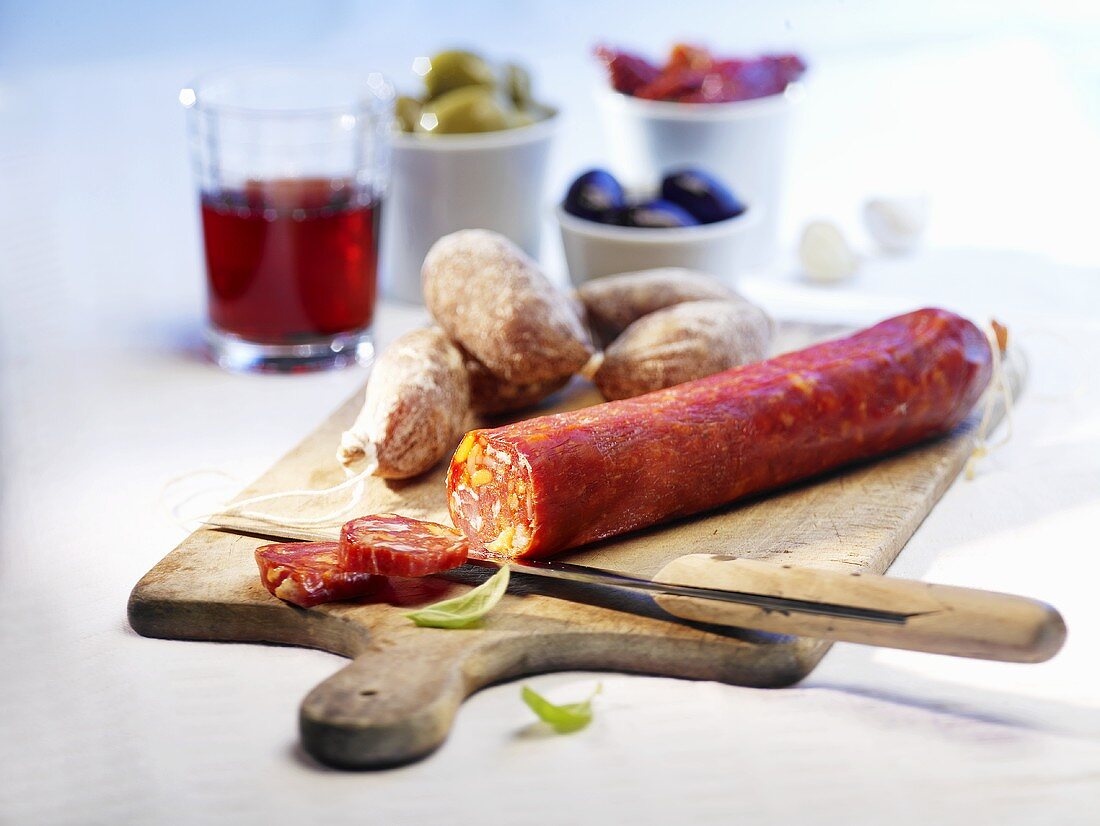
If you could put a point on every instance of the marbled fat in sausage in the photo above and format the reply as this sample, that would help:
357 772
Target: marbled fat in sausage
540 486
308 573
392 545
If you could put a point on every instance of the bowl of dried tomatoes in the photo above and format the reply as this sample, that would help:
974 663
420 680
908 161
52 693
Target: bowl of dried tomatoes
730 115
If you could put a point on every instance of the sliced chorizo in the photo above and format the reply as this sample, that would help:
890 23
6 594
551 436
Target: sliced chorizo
309 573
392 545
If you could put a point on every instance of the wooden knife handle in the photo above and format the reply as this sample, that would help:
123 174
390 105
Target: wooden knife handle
963 622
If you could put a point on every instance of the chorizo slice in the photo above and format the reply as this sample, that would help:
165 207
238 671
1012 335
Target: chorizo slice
681 343
415 410
392 545
309 573
499 306
537 487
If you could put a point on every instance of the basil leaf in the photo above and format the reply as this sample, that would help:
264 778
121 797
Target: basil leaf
466 610
563 719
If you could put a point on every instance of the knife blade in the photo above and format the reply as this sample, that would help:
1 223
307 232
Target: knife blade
598 576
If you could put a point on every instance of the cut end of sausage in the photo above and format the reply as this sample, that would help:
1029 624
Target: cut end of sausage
491 496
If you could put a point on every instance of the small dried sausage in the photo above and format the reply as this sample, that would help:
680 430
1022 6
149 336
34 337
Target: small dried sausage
492 395
681 343
416 407
498 305
614 303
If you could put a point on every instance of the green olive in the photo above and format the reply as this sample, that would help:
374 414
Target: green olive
407 110
454 69
469 109
517 81
520 118
538 111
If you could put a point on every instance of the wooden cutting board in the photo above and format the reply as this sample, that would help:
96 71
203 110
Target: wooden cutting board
395 701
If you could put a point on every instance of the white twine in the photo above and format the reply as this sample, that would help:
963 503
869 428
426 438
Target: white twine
356 481
998 384
171 510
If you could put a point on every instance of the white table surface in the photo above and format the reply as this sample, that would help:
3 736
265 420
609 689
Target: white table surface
994 112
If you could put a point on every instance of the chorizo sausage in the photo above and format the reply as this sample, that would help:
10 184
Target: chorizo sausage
495 302
540 486
681 343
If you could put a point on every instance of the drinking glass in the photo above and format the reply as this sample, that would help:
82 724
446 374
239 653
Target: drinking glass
292 166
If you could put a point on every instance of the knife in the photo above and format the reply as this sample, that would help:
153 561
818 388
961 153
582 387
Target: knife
786 599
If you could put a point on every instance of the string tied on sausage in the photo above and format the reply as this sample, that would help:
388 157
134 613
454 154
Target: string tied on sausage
999 387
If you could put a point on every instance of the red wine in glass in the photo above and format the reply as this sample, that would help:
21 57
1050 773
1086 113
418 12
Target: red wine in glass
291 260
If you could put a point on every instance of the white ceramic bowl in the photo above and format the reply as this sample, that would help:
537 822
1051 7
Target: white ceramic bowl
443 183
743 143
593 249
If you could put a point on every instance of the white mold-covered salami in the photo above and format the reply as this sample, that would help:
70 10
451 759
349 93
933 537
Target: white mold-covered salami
614 303
492 395
681 343
495 302
417 403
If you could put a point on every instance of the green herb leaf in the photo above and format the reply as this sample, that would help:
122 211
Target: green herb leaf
466 610
563 719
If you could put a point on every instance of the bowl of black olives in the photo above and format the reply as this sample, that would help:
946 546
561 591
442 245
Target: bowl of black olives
470 150
691 219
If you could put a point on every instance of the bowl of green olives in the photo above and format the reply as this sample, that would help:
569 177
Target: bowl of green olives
470 151
692 219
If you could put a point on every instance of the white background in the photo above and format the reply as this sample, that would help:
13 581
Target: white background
993 110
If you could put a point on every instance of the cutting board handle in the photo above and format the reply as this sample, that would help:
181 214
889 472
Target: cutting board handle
391 705
964 622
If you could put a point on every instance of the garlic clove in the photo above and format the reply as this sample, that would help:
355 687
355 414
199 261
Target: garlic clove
825 254
896 224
